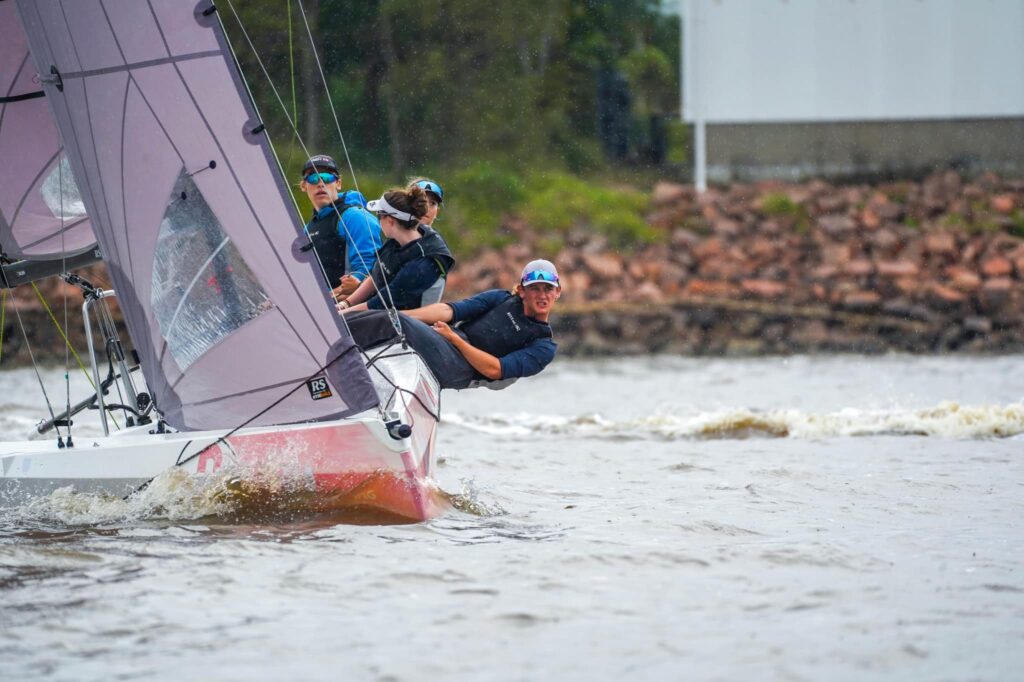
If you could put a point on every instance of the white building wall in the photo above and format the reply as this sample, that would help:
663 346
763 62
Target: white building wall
750 61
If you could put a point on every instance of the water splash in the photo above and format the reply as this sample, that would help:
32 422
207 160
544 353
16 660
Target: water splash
174 496
469 501
232 496
946 420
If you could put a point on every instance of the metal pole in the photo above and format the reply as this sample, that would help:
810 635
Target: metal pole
701 161
92 357
110 332
700 144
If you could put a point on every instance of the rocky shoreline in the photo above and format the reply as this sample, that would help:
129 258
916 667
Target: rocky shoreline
772 268
925 267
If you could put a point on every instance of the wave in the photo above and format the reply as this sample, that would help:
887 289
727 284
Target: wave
946 420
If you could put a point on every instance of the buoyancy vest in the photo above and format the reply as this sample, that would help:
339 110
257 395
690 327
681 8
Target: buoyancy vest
392 256
331 246
504 328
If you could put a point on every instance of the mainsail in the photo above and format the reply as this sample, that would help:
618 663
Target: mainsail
42 216
227 312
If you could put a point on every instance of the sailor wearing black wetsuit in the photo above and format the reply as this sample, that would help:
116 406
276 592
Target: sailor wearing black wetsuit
495 336
403 273
345 235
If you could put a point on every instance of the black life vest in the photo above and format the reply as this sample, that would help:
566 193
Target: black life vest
504 328
329 245
392 256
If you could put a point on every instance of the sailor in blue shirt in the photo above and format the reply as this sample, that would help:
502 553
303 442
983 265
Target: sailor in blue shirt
490 339
345 235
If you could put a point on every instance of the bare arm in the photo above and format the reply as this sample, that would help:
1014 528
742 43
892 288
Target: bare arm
481 360
362 292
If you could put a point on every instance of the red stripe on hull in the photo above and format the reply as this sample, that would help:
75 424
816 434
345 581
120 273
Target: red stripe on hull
349 465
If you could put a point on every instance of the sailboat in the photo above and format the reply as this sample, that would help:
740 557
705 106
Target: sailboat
244 363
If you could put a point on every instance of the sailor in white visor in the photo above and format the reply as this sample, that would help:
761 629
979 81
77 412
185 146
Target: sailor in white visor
413 263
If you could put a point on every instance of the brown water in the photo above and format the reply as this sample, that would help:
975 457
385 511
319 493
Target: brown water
643 519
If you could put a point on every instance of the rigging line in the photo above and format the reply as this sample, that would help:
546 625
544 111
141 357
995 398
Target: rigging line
392 315
115 334
68 346
110 331
35 367
248 90
291 76
291 64
391 309
67 343
291 122
64 289
372 363
327 91
223 439
111 350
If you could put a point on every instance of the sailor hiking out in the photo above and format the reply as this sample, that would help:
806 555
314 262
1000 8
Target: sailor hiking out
490 339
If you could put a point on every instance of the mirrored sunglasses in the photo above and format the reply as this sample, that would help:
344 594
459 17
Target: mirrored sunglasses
540 276
327 178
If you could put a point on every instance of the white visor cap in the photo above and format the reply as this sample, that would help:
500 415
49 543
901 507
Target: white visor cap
382 206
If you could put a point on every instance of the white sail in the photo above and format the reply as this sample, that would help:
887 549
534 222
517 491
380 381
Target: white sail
42 215
228 314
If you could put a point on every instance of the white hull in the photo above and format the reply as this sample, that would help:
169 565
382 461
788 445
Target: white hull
353 462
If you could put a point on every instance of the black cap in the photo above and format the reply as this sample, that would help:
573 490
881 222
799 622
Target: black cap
319 163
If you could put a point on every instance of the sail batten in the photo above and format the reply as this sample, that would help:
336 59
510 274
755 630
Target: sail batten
192 215
136 67
68 227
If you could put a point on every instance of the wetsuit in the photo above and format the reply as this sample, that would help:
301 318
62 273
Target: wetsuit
403 273
493 321
347 244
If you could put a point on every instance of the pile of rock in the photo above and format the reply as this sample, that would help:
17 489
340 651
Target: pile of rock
923 266
927 266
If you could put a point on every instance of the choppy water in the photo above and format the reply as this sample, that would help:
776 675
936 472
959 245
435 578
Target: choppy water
641 519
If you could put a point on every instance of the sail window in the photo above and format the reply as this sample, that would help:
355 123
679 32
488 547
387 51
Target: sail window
202 289
61 193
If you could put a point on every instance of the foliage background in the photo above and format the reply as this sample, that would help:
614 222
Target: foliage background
556 111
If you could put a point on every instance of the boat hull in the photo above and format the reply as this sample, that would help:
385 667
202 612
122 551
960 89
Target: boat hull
353 463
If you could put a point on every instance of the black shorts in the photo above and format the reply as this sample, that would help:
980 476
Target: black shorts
371 328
